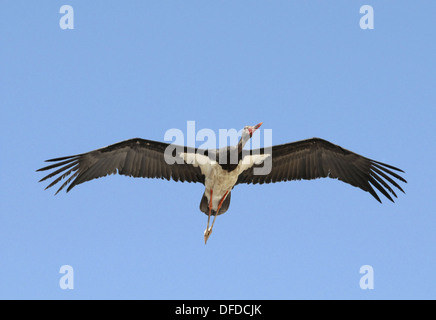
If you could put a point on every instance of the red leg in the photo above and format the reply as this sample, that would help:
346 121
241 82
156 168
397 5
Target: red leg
221 202
209 230
210 208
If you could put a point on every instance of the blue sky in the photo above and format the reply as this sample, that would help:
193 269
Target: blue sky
138 68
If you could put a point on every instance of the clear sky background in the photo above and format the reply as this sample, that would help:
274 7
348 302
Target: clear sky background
138 68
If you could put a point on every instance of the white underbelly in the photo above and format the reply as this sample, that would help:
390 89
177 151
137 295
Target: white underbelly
216 179
219 181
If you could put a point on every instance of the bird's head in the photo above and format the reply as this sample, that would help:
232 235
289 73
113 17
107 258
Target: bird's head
247 133
251 129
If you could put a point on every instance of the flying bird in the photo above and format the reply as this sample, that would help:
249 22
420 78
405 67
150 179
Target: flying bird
220 170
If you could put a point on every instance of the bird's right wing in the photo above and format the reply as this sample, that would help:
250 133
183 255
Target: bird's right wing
134 158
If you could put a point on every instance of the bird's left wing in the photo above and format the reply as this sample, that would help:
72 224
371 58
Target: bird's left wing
135 158
317 158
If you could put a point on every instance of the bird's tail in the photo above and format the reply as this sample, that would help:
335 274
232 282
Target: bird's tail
204 205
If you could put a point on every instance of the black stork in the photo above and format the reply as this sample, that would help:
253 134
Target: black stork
220 170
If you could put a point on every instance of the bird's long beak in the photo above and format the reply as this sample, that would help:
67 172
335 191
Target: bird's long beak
257 126
251 130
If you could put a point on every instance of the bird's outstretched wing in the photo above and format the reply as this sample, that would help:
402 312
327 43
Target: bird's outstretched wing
135 158
318 158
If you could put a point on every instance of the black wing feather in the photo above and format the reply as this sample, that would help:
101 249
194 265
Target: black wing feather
318 158
135 158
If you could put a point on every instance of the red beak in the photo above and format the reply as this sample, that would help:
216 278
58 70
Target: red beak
255 128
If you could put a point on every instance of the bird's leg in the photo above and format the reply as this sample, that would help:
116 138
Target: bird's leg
210 209
219 207
208 231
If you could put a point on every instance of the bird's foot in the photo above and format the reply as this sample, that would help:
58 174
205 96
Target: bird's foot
207 234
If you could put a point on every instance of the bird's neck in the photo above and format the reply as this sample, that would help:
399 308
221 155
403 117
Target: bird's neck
244 139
